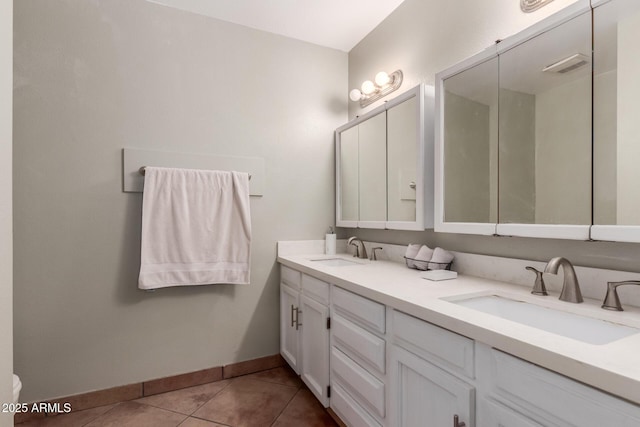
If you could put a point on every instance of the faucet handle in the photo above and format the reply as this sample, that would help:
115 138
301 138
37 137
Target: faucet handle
539 287
611 300
373 253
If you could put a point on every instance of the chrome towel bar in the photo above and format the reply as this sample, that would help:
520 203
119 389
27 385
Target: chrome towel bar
143 168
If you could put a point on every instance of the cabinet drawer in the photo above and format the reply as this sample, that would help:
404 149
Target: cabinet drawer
348 410
360 310
550 398
444 347
358 344
492 414
361 385
315 289
290 276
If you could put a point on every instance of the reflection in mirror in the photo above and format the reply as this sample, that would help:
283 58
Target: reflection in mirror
349 174
545 128
470 144
616 108
372 152
402 127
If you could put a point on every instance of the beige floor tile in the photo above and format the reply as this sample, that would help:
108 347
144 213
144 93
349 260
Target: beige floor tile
304 410
247 402
134 414
73 419
186 400
283 375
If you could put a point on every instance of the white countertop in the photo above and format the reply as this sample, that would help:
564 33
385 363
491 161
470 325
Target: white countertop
612 367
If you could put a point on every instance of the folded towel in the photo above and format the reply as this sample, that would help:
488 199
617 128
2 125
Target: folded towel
440 259
412 251
196 228
423 257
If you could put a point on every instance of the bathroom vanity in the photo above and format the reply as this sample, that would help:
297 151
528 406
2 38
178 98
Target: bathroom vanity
393 349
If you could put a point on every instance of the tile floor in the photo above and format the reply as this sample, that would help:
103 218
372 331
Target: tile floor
275 397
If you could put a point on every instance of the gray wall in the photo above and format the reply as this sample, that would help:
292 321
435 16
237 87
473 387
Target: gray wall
6 248
422 37
92 77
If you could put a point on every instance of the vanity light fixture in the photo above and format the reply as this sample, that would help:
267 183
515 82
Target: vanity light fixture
382 86
529 6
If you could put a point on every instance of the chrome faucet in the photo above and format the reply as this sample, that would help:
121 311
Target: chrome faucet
354 242
570 287
611 300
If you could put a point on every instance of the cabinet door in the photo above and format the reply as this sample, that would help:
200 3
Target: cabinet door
289 346
423 394
616 128
544 131
467 146
492 414
372 169
315 347
348 167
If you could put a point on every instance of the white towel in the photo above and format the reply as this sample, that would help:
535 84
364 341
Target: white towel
423 257
196 228
440 259
412 251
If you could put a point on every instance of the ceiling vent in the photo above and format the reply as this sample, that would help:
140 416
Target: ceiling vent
565 65
528 6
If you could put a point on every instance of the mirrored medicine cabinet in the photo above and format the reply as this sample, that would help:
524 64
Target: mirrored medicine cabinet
616 125
384 172
517 150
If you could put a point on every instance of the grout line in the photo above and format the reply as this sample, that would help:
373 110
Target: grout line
209 421
212 397
285 407
99 416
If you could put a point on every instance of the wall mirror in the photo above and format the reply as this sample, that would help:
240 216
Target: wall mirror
616 31
383 166
470 154
545 128
513 144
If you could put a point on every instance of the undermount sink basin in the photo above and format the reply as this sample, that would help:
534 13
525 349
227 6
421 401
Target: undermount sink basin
582 328
335 262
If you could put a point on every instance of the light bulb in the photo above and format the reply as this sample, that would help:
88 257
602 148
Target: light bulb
368 87
355 95
382 79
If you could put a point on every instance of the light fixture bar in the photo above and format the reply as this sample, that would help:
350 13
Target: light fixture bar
529 6
394 83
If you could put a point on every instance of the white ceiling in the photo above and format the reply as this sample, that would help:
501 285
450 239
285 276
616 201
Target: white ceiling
339 24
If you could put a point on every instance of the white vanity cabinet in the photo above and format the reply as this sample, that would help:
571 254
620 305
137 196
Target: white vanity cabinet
358 359
314 316
430 375
493 414
376 366
516 392
304 329
290 281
